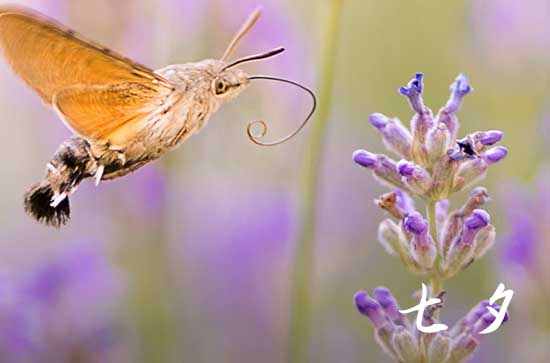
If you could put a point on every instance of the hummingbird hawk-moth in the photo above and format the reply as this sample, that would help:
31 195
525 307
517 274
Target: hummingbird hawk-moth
122 113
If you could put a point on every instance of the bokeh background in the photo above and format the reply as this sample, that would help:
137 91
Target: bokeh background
190 258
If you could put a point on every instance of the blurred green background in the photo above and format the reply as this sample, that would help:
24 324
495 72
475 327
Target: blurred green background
199 246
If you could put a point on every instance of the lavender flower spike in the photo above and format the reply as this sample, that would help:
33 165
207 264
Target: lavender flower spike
370 308
413 91
395 135
460 88
423 247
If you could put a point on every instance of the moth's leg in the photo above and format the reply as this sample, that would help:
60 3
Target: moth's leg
99 174
120 161
109 157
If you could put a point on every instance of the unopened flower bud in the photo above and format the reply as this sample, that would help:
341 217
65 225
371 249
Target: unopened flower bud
462 251
469 173
451 230
406 346
477 220
418 179
486 320
395 135
422 121
455 221
473 224
384 338
443 174
382 166
370 308
416 224
484 241
423 247
413 91
439 141
397 203
366 159
488 138
467 323
389 236
405 168
447 114
439 348
394 241
462 348
478 197
389 304
455 154
495 154
460 88
404 202
483 322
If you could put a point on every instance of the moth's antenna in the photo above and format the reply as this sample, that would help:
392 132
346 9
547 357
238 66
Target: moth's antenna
255 57
255 138
249 23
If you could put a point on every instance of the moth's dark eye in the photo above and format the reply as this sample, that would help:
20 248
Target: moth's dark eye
220 87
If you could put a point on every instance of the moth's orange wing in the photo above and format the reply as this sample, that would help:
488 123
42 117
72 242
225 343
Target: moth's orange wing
52 59
98 111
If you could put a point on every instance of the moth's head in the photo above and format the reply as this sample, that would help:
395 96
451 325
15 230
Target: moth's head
228 80
228 83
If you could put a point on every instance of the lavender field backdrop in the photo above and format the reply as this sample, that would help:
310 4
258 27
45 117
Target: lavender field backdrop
194 257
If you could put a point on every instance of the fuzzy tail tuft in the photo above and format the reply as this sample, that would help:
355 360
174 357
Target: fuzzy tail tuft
37 204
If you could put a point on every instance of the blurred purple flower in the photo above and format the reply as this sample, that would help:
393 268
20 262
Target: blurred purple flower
274 29
523 262
512 28
142 194
188 15
62 311
527 212
235 255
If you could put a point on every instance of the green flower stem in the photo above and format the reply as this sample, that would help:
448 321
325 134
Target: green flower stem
436 279
301 302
